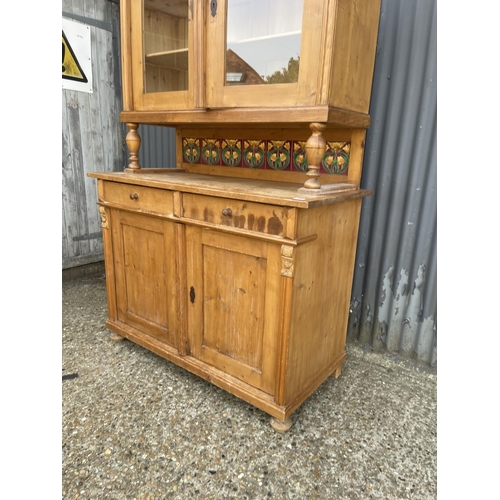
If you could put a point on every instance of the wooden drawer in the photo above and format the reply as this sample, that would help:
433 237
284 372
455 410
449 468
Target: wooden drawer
138 197
269 219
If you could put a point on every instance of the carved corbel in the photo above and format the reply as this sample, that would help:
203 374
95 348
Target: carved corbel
287 261
104 217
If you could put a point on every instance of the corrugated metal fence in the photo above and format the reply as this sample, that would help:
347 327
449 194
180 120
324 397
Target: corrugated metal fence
394 292
157 147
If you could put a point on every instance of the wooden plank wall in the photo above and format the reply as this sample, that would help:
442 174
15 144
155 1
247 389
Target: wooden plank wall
92 135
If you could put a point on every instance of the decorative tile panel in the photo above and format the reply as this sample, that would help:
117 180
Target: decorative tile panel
263 154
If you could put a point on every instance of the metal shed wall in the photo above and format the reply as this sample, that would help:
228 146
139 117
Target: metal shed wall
157 147
92 135
394 301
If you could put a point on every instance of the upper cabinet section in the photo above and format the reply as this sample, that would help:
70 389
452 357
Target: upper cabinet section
206 55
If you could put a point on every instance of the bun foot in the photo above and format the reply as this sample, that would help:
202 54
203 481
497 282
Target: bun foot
117 338
281 425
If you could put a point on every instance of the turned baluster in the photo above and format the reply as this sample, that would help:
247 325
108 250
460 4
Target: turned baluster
315 150
133 141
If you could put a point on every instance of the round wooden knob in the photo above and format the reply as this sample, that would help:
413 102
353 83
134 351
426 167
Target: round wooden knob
227 211
134 196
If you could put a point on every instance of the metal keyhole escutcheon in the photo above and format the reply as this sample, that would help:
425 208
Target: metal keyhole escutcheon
213 7
192 295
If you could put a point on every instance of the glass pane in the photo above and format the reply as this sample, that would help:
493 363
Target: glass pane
165 45
263 41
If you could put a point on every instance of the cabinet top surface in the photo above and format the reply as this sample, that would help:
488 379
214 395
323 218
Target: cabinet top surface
263 191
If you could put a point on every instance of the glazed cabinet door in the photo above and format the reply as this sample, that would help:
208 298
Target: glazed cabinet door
145 274
233 311
264 53
166 47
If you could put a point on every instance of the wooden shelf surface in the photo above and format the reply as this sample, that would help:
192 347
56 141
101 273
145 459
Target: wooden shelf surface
261 191
278 116
172 59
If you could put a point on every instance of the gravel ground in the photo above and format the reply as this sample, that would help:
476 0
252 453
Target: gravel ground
135 426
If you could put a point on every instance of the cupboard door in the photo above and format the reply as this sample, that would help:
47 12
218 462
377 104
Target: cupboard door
145 274
264 53
166 48
233 312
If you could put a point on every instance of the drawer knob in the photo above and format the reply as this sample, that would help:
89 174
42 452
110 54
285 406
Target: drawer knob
134 196
227 211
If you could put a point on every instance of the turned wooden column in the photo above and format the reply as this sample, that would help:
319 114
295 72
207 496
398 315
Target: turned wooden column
133 141
315 150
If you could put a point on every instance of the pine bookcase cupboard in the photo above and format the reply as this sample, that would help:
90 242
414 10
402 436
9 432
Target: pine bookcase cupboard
237 263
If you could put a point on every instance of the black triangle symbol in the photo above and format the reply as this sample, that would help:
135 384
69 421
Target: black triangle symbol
82 78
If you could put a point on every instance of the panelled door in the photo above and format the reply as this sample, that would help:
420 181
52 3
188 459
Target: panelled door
234 301
145 274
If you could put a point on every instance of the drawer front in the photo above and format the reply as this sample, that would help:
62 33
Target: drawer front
138 197
269 219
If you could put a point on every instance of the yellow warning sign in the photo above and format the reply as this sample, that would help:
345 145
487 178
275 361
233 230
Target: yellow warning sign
71 69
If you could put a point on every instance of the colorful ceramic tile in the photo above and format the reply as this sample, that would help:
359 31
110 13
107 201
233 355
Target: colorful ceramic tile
231 152
210 151
191 150
336 158
299 156
254 154
278 155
